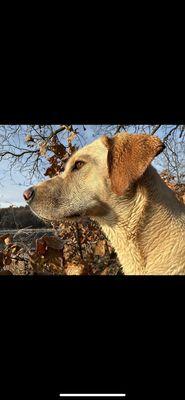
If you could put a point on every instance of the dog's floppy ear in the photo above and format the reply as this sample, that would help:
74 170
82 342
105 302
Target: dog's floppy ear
129 155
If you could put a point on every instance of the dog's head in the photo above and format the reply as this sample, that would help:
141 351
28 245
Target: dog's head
104 168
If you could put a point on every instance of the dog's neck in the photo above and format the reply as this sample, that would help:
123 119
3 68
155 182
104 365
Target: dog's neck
121 227
133 214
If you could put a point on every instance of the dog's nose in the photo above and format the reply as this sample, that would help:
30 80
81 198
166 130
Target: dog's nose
28 194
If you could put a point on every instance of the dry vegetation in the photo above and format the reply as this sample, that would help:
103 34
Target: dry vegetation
73 249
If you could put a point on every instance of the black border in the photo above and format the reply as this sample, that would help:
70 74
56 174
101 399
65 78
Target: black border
92 334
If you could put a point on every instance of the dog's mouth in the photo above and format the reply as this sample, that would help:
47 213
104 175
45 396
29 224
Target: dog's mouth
60 220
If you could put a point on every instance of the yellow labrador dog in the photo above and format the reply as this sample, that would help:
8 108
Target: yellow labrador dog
112 181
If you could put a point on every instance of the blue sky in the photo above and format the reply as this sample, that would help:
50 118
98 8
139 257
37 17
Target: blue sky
10 188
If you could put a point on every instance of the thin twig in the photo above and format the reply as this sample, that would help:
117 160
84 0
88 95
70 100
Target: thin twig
155 129
169 133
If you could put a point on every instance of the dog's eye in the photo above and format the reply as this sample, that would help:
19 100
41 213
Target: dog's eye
78 165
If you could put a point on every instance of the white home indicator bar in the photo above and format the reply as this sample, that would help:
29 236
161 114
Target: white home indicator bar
92 395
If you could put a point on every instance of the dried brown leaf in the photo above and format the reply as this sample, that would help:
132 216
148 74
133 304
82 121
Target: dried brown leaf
100 248
29 138
53 242
43 148
74 269
41 246
7 239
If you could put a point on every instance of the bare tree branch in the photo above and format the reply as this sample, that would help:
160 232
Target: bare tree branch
18 155
155 129
169 133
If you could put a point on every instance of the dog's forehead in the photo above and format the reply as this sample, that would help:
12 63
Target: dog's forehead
95 150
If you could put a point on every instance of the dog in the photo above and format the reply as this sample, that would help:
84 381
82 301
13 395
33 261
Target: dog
113 182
